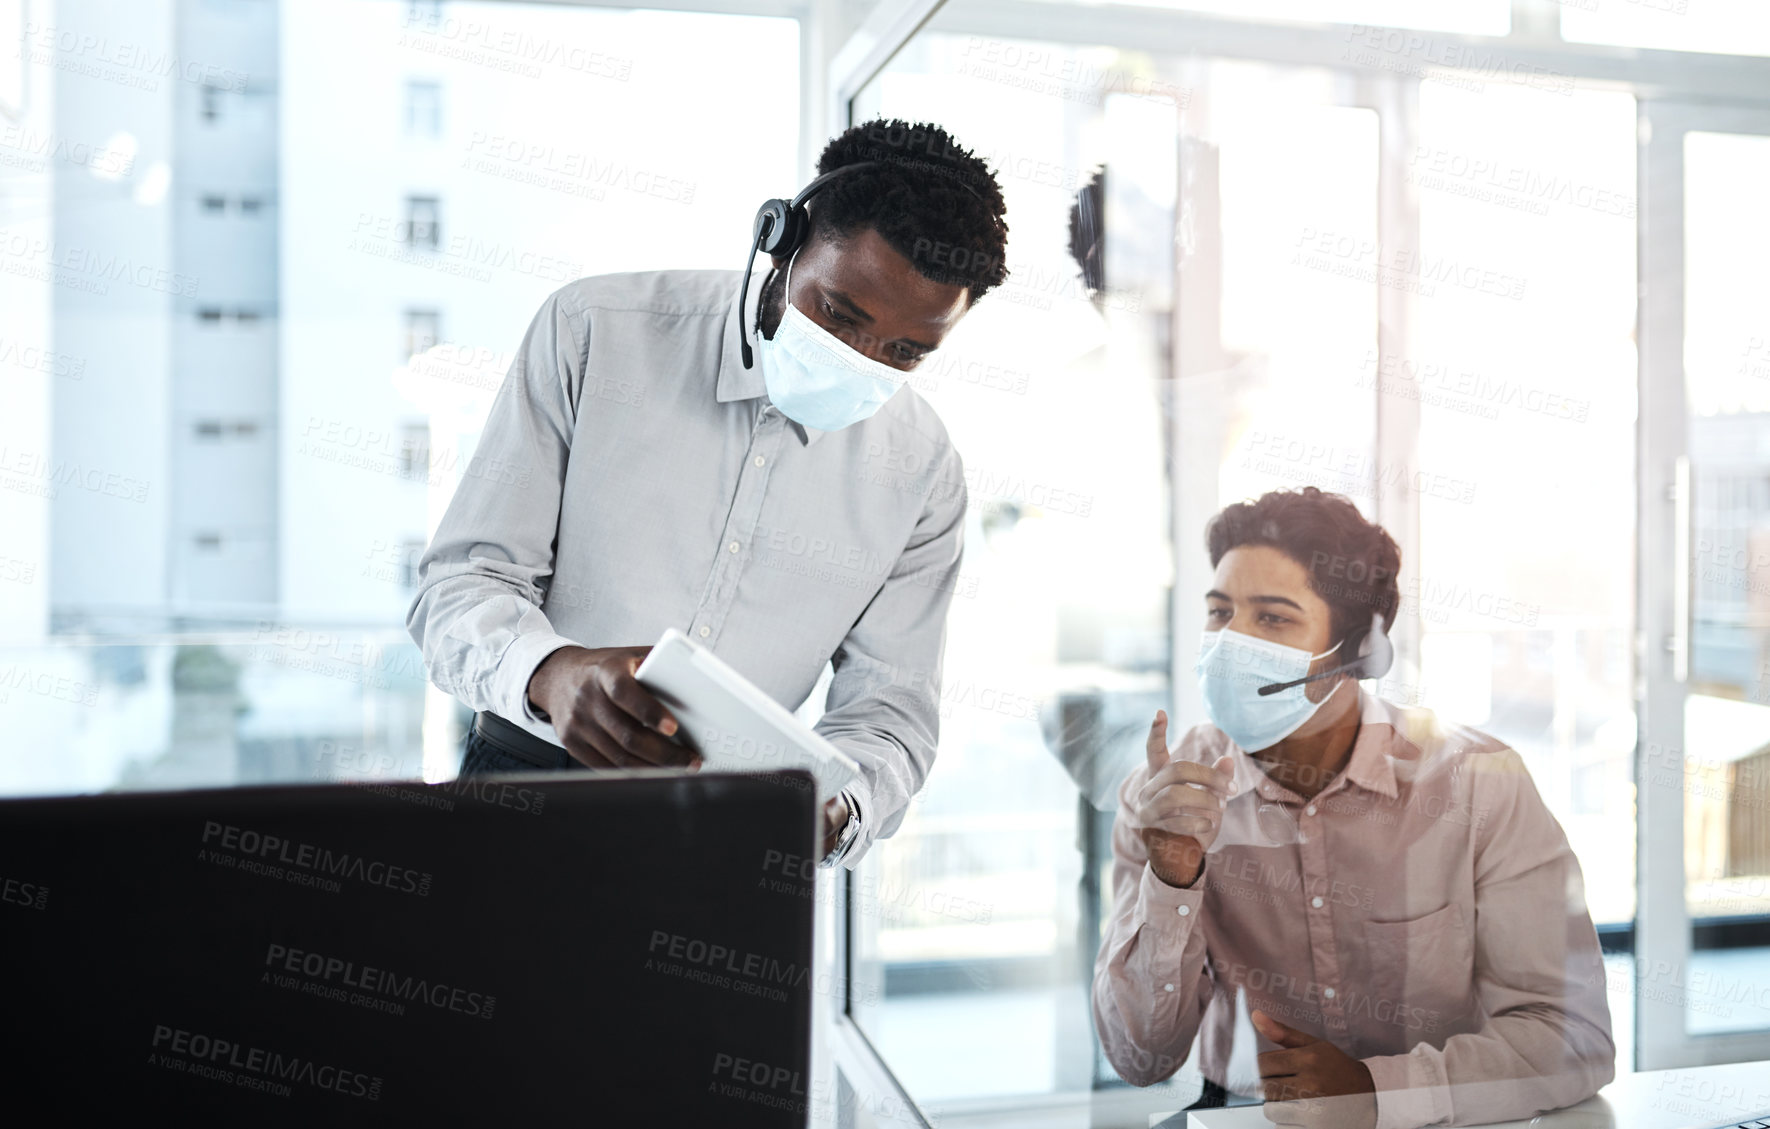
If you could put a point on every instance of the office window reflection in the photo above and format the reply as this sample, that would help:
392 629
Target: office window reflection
974 924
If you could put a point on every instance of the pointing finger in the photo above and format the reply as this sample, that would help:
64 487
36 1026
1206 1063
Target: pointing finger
1157 745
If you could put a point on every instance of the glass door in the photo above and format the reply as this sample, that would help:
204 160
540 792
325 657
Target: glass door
1703 968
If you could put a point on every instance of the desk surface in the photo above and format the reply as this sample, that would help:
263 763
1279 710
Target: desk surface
1693 1098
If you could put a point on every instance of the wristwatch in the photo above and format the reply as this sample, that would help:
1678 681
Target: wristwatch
849 831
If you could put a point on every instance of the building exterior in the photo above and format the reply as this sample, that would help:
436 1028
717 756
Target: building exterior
1730 572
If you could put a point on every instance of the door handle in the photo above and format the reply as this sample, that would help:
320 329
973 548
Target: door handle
1678 643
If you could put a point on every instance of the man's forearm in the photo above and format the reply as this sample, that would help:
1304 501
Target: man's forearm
491 667
1150 986
1481 1077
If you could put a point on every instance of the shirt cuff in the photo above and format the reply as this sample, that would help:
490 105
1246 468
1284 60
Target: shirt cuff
1170 909
1407 1096
510 688
857 846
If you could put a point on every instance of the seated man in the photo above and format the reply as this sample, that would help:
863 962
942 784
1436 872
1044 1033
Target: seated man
1389 893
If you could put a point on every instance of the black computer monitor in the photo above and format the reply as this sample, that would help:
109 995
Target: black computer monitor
610 949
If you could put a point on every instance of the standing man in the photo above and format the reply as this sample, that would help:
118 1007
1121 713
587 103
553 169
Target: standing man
761 482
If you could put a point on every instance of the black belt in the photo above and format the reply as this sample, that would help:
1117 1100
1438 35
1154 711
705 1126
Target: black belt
519 742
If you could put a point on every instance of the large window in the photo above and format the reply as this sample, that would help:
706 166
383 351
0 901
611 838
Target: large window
250 324
1480 17
1525 376
1733 27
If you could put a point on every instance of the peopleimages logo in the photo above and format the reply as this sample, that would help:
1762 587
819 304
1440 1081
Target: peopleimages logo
721 966
364 985
263 852
31 895
228 1062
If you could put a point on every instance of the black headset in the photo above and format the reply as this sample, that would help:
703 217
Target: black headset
781 229
1375 655
1091 231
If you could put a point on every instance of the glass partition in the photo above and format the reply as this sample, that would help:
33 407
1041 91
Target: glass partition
1222 295
974 925
1414 290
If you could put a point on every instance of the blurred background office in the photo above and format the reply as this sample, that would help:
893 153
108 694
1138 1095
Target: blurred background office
1495 269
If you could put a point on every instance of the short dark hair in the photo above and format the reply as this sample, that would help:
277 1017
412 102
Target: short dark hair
1352 563
927 196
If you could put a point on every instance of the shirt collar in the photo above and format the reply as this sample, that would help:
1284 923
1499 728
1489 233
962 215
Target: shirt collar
1381 737
735 381
1380 740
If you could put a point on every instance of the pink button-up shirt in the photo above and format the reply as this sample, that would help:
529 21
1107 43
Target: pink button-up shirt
1423 913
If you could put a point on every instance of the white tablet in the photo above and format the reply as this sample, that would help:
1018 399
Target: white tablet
733 725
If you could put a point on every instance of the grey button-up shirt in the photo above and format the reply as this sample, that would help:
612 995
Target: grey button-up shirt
640 479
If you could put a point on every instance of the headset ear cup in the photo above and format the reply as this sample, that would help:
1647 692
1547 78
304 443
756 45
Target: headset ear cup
1356 651
794 230
772 221
1376 650
787 229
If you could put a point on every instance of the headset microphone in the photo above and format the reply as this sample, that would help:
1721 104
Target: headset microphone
781 228
1277 686
1375 655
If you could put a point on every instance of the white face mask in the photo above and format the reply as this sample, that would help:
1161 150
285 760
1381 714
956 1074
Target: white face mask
816 379
1231 669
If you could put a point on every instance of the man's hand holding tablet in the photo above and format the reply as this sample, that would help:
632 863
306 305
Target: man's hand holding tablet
607 717
603 716
734 724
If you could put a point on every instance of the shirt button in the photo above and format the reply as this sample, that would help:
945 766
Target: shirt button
1167 987
1315 901
1310 810
733 546
1184 910
705 631
1328 992
760 460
